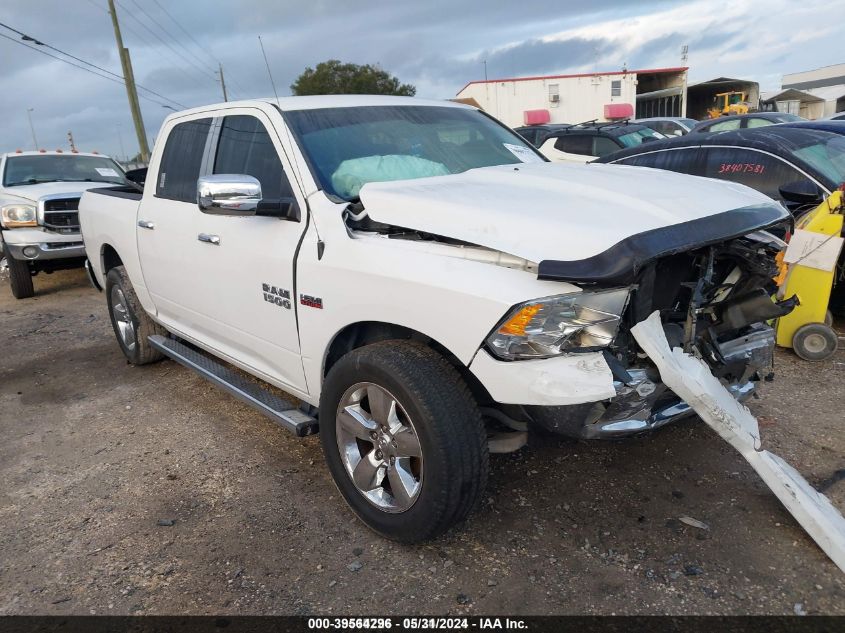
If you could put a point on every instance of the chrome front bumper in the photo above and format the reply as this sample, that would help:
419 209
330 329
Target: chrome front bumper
643 403
45 250
644 406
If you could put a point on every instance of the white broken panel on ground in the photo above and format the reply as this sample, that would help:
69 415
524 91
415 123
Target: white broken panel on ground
691 379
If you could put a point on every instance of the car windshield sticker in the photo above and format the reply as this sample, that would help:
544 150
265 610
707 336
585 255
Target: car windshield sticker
107 171
523 153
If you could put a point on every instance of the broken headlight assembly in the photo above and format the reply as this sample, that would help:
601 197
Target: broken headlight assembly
542 328
18 215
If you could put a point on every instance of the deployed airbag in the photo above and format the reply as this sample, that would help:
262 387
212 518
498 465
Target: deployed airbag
354 173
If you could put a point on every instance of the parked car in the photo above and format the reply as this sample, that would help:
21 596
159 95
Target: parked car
535 134
792 164
418 275
825 125
39 226
743 121
669 126
839 116
587 141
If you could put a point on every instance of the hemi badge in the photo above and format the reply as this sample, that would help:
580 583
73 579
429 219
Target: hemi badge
311 302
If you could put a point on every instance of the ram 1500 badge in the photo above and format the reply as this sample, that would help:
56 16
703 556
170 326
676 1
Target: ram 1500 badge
449 283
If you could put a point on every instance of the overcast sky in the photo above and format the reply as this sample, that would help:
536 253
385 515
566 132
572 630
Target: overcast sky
437 45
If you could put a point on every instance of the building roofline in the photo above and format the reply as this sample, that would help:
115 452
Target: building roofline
602 74
813 70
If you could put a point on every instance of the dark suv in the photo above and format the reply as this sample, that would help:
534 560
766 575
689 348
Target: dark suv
536 134
586 141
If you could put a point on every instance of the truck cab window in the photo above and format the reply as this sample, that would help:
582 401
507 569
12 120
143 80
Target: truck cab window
181 161
245 147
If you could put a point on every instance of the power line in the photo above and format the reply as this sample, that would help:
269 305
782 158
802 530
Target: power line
186 32
118 81
238 90
200 47
177 39
29 38
94 4
154 21
178 66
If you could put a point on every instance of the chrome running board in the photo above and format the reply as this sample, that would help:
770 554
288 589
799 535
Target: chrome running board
277 409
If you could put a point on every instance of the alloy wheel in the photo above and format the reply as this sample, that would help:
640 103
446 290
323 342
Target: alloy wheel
379 447
122 318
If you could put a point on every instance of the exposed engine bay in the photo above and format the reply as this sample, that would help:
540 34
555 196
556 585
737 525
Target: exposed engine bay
714 303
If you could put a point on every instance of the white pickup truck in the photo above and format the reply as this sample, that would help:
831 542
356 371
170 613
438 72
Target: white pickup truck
39 194
426 284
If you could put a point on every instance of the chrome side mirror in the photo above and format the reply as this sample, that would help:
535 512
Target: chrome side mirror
228 194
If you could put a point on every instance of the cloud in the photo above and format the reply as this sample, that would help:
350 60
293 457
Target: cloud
437 45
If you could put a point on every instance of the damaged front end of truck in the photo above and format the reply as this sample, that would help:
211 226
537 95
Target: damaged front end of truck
714 301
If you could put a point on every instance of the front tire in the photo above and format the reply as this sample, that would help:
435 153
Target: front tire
20 278
130 322
403 439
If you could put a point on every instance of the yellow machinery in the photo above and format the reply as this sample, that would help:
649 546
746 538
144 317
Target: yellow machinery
807 329
726 103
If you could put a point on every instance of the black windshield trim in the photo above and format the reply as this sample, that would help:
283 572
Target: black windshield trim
622 262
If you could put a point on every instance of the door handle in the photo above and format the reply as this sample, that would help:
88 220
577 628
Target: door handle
209 239
146 224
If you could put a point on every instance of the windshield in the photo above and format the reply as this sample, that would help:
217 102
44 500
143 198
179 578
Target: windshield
349 147
826 156
632 139
30 170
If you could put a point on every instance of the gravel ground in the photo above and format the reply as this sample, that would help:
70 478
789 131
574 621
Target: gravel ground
148 491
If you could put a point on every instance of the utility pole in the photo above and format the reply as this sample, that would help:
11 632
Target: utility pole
32 127
223 82
131 92
70 140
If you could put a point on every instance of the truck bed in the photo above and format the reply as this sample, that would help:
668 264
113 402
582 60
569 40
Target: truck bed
108 217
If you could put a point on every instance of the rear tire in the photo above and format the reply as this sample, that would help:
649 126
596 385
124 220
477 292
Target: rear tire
433 431
815 341
130 322
20 278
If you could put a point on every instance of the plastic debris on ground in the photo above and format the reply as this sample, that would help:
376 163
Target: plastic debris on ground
691 379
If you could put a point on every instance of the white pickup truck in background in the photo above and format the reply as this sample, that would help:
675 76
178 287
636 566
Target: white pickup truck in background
39 224
426 284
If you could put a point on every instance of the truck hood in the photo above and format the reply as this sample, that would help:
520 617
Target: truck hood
34 192
568 213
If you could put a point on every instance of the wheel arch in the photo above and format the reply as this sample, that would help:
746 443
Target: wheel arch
109 258
362 333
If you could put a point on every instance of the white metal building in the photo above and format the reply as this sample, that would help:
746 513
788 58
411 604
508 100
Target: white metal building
825 84
582 97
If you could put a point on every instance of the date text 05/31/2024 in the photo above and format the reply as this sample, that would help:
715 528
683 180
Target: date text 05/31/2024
417 623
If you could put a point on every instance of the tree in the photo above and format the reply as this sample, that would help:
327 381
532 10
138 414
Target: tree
333 77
